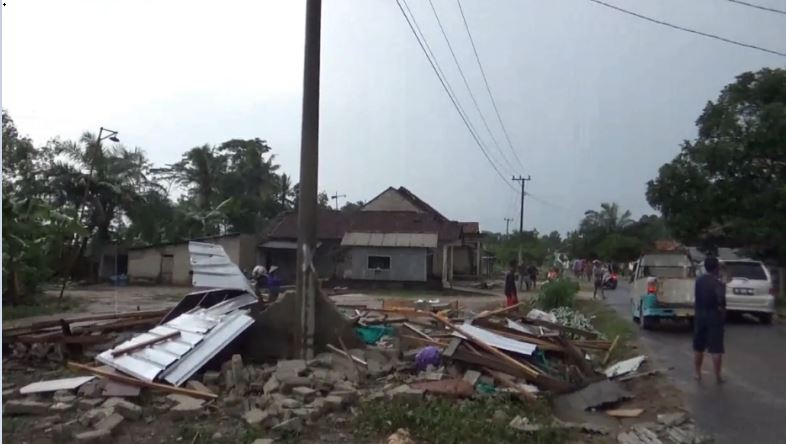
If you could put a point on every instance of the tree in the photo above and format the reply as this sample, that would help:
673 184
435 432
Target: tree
608 219
350 207
620 248
728 186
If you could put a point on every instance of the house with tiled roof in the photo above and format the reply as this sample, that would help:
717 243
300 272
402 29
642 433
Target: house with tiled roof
396 236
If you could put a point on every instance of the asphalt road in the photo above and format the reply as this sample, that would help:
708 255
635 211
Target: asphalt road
750 407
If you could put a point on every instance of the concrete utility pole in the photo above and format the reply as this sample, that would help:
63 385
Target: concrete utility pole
508 220
523 181
336 197
307 282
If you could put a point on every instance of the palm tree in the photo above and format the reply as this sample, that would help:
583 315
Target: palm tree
286 192
608 218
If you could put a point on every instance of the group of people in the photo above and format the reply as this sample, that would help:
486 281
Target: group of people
266 279
527 278
593 271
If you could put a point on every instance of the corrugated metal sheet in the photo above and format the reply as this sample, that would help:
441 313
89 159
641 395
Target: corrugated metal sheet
405 240
203 333
498 341
212 268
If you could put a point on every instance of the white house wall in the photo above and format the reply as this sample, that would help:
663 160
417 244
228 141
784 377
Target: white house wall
406 264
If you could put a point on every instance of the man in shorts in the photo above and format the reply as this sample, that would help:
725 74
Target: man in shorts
598 271
511 295
710 314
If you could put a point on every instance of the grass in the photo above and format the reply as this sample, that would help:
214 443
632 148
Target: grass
41 305
610 324
449 421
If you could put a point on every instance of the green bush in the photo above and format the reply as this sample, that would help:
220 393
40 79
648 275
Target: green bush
559 293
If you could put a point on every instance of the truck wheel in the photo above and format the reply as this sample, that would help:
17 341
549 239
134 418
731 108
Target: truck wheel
765 318
646 322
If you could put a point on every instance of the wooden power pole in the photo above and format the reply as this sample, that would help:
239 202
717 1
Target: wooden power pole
336 197
307 282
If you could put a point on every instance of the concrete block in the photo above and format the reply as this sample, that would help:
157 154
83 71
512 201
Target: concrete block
290 382
348 397
290 367
60 407
333 402
290 425
290 403
472 376
91 389
110 423
305 394
89 403
25 407
272 385
126 409
64 396
259 419
93 416
94 437
406 394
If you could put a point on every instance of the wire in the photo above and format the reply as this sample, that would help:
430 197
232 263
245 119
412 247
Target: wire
763 8
447 90
712 36
466 84
488 88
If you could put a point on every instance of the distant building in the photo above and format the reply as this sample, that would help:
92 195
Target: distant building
396 237
169 264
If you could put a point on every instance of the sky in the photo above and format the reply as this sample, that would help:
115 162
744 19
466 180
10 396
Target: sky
594 101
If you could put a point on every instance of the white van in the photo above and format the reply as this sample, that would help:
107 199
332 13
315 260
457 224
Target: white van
749 288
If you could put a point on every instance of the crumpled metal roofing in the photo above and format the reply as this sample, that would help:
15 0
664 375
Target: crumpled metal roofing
212 268
203 333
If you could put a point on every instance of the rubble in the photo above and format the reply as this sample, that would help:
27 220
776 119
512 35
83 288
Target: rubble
25 407
110 423
126 409
100 436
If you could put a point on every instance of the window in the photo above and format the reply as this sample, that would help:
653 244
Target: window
379 262
747 270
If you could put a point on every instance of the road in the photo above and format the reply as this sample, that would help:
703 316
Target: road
750 407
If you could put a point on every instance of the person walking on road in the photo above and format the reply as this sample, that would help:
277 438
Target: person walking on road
710 314
511 296
598 272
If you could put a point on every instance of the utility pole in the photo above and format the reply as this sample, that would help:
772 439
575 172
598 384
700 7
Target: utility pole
336 197
523 181
307 282
508 220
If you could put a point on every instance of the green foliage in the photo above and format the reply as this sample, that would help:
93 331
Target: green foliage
448 421
610 325
558 293
620 248
506 248
728 186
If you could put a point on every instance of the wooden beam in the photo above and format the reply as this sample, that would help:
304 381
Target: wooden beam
417 331
508 382
611 349
424 340
143 344
141 383
335 349
498 311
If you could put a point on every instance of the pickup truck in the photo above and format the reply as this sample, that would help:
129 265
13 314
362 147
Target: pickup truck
663 288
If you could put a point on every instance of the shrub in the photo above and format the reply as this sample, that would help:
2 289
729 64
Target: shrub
558 293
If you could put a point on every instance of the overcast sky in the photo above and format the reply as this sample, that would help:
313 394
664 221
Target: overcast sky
594 100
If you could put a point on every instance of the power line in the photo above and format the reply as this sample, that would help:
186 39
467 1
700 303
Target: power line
488 88
466 84
447 90
712 36
763 8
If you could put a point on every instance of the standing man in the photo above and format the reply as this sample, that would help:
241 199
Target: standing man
511 295
598 271
532 271
273 284
710 314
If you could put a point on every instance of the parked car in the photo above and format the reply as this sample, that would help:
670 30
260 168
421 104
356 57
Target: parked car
663 288
749 288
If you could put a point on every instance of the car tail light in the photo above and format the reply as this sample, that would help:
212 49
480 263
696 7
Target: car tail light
652 287
774 291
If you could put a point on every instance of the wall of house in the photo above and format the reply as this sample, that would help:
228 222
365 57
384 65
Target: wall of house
145 264
406 264
463 260
391 200
327 261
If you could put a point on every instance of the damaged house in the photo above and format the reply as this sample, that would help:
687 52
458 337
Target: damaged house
395 237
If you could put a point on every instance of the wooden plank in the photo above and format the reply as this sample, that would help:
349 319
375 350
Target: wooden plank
417 331
485 346
611 349
140 383
499 311
198 386
507 381
101 317
335 349
625 413
542 343
144 344
424 340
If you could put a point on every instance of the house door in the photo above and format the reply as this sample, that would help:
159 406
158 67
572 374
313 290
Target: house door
167 265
